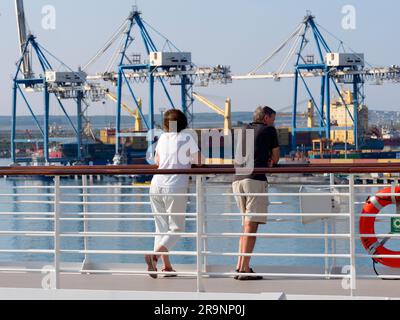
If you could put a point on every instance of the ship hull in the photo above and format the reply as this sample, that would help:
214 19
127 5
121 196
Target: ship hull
102 154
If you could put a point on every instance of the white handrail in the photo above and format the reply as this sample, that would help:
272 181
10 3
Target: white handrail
84 212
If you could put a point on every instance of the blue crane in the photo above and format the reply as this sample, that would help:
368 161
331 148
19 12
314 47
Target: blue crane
63 85
332 68
325 73
174 65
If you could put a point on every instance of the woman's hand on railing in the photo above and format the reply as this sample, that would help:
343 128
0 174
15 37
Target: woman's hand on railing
271 163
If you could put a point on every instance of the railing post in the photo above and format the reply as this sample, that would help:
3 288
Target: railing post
332 179
326 242
57 231
85 211
353 270
205 247
199 226
204 226
333 224
334 244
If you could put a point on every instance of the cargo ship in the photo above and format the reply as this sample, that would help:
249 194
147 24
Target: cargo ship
102 151
391 138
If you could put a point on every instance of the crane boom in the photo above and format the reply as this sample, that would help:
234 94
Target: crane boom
134 114
385 73
114 98
205 75
23 37
227 113
209 104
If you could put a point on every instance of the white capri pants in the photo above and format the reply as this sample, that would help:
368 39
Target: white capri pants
168 224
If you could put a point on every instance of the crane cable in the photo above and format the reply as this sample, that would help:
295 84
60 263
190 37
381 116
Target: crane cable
264 62
291 52
108 44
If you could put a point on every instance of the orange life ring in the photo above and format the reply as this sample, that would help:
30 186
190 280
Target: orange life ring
374 245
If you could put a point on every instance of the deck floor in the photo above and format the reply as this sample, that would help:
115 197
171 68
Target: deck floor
295 288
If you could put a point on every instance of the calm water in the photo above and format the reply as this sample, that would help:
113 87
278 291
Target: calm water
215 204
201 120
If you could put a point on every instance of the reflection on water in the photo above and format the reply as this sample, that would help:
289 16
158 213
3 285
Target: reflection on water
215 204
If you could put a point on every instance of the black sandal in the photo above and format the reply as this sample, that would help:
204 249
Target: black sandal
248 278
151 265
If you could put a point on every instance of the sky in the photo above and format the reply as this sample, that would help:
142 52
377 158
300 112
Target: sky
238 33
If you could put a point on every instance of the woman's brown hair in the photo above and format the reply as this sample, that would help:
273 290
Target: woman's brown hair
175 121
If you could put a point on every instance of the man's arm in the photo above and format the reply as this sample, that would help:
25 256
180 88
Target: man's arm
198 159
275 157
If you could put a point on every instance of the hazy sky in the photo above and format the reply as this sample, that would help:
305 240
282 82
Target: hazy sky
227 32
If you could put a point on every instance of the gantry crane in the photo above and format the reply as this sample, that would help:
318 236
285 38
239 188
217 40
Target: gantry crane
332 68
62 85
173 66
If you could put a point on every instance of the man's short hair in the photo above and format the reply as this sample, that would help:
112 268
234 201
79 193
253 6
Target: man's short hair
175 121
262 112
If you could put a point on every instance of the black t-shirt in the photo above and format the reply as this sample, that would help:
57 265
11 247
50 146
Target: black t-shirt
265 140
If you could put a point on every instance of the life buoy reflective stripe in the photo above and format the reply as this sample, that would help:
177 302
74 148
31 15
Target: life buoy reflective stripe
372 244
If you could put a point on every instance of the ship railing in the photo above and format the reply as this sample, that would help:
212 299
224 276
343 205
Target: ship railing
57 208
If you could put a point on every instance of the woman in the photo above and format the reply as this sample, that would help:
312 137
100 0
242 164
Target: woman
176 149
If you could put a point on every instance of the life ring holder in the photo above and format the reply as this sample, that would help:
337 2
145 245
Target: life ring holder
373 244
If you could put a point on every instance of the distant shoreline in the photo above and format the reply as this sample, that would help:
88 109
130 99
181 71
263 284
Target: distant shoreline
103 121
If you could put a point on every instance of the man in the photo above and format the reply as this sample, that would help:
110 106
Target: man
266 154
